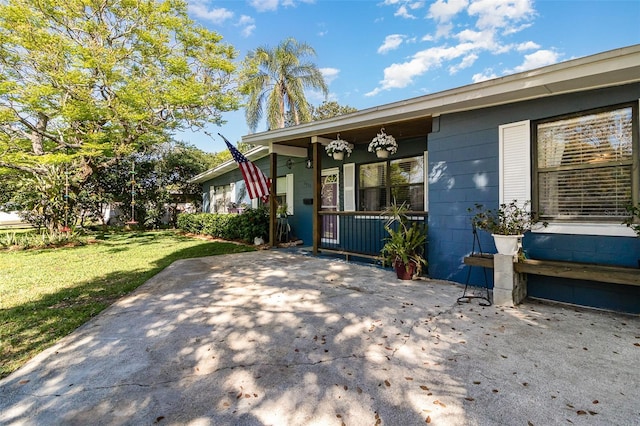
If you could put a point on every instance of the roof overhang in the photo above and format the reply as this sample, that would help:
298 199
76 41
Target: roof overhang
253 154
413 117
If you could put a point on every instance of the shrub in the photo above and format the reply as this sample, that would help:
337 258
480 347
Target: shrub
246 226
254 223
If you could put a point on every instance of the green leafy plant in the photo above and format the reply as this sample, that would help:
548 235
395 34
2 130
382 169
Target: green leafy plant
406 240
246 226
633 221
508 219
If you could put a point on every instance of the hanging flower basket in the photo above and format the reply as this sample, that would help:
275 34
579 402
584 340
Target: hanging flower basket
383 144
338 147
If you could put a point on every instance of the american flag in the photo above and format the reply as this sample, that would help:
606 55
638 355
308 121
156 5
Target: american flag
257 183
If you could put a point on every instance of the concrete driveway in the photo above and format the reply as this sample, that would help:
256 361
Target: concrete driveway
276 338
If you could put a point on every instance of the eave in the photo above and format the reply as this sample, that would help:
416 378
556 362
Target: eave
253 154
413 117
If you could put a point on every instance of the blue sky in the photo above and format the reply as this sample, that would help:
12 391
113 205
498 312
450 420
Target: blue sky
376 52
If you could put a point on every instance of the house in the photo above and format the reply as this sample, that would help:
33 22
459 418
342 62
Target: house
565 136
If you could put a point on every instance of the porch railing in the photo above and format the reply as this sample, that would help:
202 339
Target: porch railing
358 234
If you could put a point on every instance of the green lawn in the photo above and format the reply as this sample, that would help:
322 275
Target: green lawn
46 294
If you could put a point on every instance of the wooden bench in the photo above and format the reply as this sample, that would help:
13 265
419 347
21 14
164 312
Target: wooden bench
573 270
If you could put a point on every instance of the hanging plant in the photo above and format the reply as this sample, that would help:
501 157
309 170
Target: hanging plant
383 142
337 147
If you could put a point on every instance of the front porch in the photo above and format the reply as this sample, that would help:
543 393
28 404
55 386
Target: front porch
343 208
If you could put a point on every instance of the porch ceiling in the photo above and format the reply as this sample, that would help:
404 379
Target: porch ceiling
413 128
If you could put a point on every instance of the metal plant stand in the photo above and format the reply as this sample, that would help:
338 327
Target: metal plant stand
476 292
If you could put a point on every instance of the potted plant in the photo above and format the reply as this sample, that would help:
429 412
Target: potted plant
507 225
338 147
404 247
383 144
633 221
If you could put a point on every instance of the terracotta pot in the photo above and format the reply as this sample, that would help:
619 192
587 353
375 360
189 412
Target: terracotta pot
401 270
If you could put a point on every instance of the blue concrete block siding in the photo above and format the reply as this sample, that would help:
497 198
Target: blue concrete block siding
463 161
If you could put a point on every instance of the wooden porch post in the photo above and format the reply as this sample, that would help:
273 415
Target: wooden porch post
317 196
272 199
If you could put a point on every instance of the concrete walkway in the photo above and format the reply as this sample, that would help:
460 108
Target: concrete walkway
275 338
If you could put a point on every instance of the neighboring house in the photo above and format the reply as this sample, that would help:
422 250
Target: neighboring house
12 219
565 136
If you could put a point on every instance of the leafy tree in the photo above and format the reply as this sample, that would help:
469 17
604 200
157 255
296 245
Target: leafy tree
47 199
277 78
95 80
329 109
325 110
160 183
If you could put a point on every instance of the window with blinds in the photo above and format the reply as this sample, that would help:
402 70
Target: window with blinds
401 180
584 165
407 182
221 199
373 187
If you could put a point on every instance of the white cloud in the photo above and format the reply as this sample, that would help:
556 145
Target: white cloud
480 39
486 75
463 42
537 59
271 5
247 23
264 5
329 74
217 15
529 45
466 62
501 13
397 76
404 13
391 42
443 11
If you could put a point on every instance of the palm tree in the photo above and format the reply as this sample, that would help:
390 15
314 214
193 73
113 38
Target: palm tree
278 78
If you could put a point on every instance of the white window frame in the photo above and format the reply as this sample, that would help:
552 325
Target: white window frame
515 157
287 192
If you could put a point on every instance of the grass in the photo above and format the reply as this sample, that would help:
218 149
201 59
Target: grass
46 294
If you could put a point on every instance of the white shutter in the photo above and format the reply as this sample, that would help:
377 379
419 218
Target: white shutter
349 171
232 195
289 194
212 200
515 162
254 203
425 168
